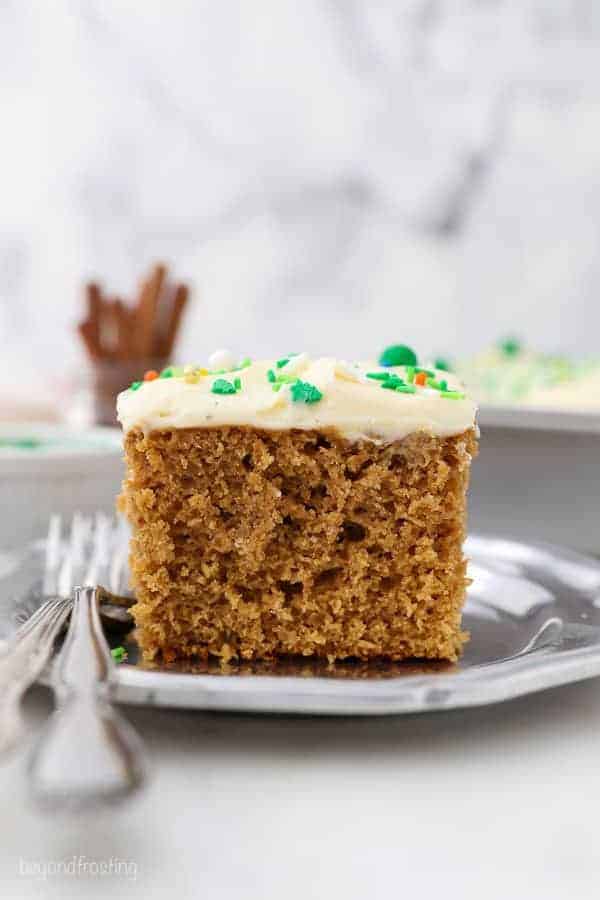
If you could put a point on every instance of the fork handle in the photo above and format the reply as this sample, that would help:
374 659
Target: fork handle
88 755
20 665
85 666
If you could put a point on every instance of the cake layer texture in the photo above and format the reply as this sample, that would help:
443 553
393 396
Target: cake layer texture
254 542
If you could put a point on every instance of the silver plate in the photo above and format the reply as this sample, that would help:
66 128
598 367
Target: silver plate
533 612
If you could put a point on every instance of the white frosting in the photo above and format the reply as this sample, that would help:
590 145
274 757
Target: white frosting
352 404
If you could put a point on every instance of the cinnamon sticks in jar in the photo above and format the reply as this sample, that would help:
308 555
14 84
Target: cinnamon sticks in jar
148 329
124 339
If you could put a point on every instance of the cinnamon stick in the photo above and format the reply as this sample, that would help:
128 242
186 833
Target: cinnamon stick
88 332
169 338
146 311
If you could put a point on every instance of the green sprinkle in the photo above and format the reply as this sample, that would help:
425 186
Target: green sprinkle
222 386
136 385
510 346
277 386
245 363
282 362
119 654
287 379
271 376
392 382
442 364
379 376
452 395
237 383
443 385
25 443
410 374
167 373
398 355
305 392
405 389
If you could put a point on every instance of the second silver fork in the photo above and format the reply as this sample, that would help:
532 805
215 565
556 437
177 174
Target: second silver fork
24 657
88 755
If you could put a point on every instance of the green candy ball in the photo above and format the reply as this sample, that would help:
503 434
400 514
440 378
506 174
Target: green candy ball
398 355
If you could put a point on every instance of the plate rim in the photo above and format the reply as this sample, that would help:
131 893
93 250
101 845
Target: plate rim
480 685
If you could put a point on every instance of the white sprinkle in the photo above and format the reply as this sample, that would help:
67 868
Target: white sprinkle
222 359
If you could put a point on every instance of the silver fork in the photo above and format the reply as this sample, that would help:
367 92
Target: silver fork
23 659
88 755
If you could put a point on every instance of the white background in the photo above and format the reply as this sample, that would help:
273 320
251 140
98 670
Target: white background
329 174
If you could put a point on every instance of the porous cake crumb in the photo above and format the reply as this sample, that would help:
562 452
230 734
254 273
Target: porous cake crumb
253 543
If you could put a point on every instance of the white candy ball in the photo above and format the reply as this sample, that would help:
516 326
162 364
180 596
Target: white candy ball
222 359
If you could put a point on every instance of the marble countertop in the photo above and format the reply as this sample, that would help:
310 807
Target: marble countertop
495 802
340 172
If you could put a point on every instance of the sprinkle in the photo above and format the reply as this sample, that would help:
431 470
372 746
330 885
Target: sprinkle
282 362
305 392
237 383
392 382
271 376
119 654
442 364
245 363
379 376
167 373
421 379
510 346
398 355
410 374
193 374
150 375
441 385
135 385
221 359
406 389
452 395
222 386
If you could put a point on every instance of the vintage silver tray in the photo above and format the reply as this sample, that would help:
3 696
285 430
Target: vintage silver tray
533 611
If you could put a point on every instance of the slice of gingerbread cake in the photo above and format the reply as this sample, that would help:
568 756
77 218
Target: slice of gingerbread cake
298 506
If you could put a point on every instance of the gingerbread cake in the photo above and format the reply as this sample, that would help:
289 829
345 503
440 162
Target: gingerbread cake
298 506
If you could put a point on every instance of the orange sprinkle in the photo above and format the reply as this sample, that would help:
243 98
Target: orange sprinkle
421 379
150 375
